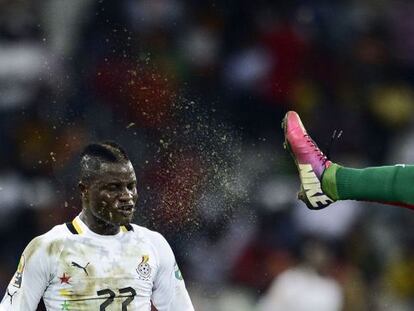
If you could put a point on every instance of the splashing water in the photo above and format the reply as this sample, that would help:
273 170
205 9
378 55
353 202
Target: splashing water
195 168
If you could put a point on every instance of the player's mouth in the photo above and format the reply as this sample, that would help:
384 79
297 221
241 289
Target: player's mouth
126 210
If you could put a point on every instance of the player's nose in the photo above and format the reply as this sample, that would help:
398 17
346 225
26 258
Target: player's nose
126 195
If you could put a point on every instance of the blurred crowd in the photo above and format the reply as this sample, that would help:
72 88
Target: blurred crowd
195 92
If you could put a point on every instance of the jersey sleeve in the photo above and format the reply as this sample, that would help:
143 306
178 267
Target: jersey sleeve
169 292
30 280
181 300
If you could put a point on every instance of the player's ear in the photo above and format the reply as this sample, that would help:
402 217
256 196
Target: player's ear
83 188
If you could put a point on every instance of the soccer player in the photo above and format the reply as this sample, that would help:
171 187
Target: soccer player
99 260
324 182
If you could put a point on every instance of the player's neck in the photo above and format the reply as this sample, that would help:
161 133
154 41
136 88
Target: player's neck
96 225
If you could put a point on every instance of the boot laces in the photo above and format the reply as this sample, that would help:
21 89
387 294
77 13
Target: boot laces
336 135
315 147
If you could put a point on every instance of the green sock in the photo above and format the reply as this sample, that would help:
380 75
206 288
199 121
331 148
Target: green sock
329 181
381 184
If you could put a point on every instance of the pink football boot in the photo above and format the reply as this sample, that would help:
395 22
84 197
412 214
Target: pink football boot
309 159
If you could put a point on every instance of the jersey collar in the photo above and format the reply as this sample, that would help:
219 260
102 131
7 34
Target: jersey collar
77 226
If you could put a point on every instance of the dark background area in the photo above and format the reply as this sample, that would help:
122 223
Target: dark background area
195 91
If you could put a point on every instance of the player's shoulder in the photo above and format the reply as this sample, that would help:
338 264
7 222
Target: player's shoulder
51 241
58 232
157 241
144 231
153 236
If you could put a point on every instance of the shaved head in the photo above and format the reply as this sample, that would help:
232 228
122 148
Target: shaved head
96 156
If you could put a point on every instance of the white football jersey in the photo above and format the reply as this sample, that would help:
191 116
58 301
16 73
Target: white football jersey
73 268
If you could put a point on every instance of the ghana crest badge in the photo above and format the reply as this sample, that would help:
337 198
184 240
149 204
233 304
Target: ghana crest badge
144 269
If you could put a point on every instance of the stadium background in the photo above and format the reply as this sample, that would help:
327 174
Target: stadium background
195 91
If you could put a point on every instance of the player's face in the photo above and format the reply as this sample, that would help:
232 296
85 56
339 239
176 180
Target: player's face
113 193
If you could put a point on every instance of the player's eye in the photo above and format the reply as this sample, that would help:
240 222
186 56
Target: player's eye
131 186
113 187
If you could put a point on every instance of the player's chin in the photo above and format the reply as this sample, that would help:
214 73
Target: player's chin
123 217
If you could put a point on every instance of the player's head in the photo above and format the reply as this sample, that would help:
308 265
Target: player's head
107 183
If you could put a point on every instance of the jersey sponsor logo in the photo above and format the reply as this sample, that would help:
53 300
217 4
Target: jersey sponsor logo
144 269
74 264
11 295
312 187
177 272
17 281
